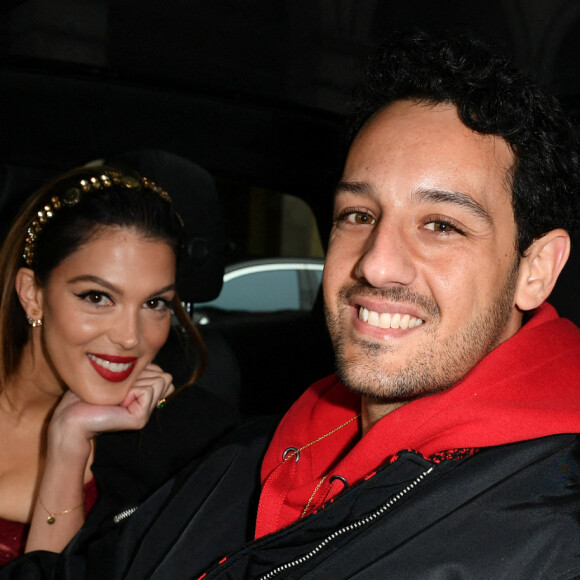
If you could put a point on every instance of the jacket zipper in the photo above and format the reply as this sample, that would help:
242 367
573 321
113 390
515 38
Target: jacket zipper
124 514
345 529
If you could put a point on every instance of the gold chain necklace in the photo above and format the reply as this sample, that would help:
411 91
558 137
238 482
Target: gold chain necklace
296 452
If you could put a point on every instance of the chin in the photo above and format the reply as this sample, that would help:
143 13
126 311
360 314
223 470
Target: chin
391 386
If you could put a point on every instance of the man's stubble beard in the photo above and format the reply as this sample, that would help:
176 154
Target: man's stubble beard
434 367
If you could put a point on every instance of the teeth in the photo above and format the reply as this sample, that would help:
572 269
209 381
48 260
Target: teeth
113 367
386 320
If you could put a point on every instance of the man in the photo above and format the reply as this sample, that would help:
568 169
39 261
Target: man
450 229
447 444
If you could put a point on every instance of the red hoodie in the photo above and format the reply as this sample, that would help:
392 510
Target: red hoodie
528 387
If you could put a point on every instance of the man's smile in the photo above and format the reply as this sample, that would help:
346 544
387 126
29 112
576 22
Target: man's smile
388 320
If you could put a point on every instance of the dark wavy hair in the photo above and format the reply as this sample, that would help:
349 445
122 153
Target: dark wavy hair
492 97
131 202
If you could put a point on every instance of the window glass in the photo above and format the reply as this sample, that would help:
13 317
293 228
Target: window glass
267 224
261 292
276 254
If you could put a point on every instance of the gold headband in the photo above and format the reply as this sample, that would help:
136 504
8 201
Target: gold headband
103 180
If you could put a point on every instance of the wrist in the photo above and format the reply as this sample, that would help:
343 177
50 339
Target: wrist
67 463
51 515
67 442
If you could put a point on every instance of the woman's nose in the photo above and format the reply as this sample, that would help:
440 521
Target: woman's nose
125 331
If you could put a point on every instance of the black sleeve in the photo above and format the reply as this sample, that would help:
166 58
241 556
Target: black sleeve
33 566
204 512
130 465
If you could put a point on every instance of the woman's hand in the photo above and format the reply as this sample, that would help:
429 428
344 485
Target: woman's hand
71 431
75 423
151 386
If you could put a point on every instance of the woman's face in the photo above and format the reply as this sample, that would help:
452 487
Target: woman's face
106 312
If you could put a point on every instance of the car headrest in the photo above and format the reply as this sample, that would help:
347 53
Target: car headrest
200 276
16 184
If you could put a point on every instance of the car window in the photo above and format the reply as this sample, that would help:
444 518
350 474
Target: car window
276 255
261 292
262 223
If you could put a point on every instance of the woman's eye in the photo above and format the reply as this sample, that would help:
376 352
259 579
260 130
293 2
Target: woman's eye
157 304
96 298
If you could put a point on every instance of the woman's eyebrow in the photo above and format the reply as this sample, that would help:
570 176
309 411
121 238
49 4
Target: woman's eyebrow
95 280
113 287
168 288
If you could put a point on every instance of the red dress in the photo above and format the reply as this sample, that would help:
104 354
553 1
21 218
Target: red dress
13 534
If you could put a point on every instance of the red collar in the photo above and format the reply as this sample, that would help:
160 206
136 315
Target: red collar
526 388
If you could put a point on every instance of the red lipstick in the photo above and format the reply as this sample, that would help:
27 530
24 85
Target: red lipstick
111 367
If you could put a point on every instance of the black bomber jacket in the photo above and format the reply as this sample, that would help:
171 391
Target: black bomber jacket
511 511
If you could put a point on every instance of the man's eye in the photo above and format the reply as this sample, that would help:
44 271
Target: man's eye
359 218
441 227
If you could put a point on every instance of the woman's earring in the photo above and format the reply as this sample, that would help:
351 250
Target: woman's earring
32 322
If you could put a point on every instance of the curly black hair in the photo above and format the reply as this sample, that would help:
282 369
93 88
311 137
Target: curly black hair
492 97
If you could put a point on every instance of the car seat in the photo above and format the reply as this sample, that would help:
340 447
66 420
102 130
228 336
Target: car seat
200 274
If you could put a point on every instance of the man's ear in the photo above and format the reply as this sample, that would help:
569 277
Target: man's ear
29 293
540 267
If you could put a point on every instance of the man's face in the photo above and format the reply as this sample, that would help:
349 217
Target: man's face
422 270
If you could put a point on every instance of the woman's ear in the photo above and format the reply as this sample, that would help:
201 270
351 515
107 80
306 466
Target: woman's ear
29 293
540 267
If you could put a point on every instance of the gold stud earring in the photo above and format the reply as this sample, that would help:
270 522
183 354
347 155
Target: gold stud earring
34 323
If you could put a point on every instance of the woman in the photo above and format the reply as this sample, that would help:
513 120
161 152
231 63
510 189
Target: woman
87 296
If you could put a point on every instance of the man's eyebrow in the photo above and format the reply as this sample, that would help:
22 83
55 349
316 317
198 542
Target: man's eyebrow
456 198
359 188
113 287
354 188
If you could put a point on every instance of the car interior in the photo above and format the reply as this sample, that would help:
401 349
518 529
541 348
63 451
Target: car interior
233 107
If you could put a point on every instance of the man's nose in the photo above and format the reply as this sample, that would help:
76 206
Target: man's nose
387 257
126 330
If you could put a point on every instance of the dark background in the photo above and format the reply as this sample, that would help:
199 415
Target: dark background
253 90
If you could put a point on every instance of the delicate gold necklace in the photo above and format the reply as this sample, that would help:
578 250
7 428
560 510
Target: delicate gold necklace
296 453
307 506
